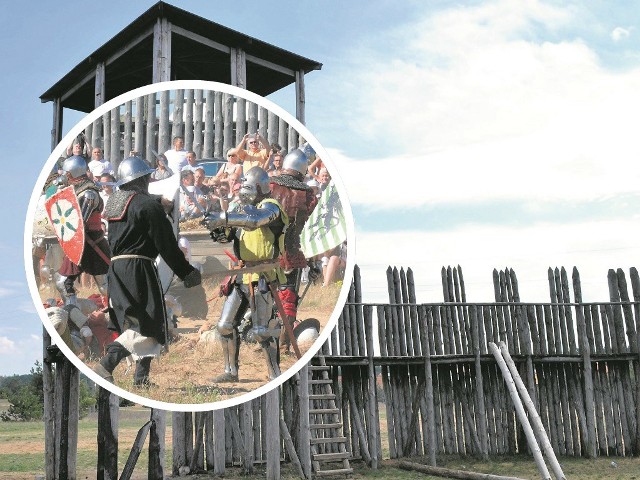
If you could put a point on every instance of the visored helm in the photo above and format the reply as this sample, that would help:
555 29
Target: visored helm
295 160
132 168
75 166
255 186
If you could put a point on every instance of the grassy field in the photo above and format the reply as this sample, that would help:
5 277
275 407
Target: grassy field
22 456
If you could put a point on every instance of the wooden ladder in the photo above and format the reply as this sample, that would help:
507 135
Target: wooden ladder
328 443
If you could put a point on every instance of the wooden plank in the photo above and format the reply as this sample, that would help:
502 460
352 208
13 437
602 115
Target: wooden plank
199 120
116 156
49 407
219 436
227 119
635 286
481 421
189 104
212 139
382 339
589 436
273 432
107 467
177 126
196 462
165 141
138 143
127 145
372 411
157 432
529 431
178 441
135 451
161 51
151 143
241 119
106 128
209 457
300 96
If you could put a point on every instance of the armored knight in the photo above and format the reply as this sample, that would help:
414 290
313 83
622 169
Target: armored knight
257 233
298 201
139 231
96 252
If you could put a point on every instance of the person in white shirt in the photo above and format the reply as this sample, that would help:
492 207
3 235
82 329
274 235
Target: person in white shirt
177 156
99 166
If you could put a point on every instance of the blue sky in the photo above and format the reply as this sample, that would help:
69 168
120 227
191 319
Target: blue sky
480 134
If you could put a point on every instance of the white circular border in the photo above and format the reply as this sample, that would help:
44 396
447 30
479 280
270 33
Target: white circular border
196 85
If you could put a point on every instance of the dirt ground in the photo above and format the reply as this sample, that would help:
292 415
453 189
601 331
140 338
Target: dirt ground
184 373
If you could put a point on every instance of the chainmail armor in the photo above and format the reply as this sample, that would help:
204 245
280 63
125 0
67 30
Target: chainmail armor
117 204
290 182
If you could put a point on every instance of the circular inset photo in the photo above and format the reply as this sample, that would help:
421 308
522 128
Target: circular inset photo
192 245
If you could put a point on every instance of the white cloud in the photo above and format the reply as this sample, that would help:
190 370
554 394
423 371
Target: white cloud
620 33
479 249
481 103
7 346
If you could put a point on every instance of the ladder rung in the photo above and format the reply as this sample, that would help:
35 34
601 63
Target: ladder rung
323 411
319 367
317 382
328 440
327 457
339 471
322 396
320 426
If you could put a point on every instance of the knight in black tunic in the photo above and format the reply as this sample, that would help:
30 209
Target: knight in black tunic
139 231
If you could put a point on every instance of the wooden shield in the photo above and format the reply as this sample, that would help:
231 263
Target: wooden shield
64 214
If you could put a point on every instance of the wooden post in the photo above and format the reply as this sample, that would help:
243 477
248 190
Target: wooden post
227 117
56 129
177 127
136 449
138 144
304 431
300 96
533 445
273 433
151 143
115 156
481 421
374 420
157 444
219 442
538 428
100 85
107 436
212 124
197 144
590 413
128 132
165 141
161 51
49 408
189 105
635 286
179 441
208 442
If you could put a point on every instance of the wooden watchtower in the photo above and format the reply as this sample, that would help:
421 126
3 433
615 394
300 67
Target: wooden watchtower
168 43
164 43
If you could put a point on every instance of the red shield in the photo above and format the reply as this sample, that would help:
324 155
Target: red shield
65 216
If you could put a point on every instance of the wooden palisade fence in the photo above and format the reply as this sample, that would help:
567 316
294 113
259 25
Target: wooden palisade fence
210 122
433 374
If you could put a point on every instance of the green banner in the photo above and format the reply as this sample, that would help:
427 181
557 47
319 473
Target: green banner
326 227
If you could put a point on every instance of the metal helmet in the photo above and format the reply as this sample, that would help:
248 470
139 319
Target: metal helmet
132 168
255 186
75 166
295 160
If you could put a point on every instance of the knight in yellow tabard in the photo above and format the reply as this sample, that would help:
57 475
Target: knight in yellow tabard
257 232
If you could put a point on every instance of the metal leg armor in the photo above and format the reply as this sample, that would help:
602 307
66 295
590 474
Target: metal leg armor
266 330
232 311
66 287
